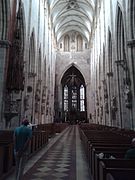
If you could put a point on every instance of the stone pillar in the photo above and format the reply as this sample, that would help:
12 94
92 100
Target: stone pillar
4 45
131 50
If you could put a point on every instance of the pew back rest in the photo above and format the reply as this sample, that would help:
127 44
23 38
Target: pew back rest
116 171
118 163
6 136
121 174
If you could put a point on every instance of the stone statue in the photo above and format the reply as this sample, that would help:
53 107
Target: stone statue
128 96
114 107
26 102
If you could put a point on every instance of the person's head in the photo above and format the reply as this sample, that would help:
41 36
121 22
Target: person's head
133 142
25 122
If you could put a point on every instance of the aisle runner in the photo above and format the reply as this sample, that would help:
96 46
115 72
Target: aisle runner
59 163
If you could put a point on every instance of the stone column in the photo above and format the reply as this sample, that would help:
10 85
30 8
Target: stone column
131 50
4 45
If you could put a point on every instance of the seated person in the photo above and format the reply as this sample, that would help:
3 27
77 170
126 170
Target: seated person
130 154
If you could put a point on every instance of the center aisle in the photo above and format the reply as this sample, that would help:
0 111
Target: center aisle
63 161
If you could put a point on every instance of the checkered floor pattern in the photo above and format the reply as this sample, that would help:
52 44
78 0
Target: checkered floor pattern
59 163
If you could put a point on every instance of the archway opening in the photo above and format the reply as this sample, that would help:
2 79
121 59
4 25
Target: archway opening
73 96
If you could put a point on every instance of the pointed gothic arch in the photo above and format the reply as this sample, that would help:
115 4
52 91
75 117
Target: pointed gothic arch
121 51
44 76
104 67
73 95
38 93
105 88
39 64
110 79
31 64
110 61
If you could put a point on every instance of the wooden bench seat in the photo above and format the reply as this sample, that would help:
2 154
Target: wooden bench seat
103 139
39 139
49 128
6 151
103 144
118 174
1 159
94 159
118 155
123 175
59 127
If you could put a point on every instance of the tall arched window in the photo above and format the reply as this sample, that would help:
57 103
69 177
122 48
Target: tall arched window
109 52
44 78
110 79
66 43
39 65
65 98
32 54
79 43
73 94
104 70
120 37
82 98
99 72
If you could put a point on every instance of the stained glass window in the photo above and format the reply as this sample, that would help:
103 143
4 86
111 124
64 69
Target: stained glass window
82 98
66 98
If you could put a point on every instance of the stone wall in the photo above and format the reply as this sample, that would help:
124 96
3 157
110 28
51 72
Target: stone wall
112 65
38 63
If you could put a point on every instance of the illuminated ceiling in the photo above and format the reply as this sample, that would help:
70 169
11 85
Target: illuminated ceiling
72 15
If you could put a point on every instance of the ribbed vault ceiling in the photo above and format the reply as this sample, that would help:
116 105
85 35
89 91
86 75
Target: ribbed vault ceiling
72 15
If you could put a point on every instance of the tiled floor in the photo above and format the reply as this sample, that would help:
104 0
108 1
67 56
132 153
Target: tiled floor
62 159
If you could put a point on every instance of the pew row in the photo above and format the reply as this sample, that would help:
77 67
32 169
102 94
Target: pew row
40 136
111 142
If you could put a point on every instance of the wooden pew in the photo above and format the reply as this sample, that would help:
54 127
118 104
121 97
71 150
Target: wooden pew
59 127
6 152
119 151
121 175
109 140
102 140
101 136
1 159
39 139
49 128
107 156
118 174
103 144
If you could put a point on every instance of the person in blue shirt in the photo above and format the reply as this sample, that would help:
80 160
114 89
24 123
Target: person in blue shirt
130 154
22 137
